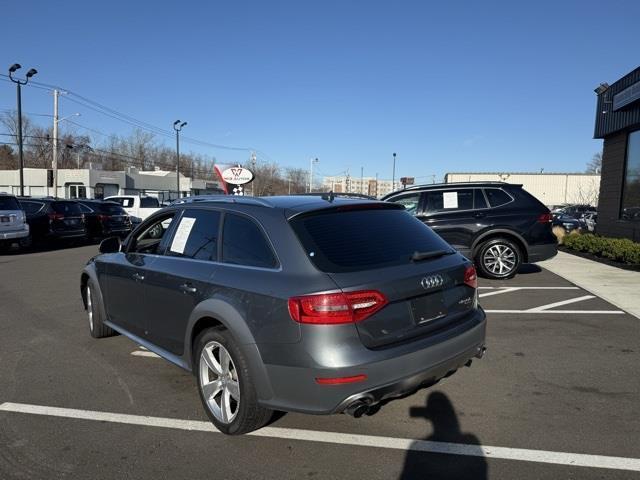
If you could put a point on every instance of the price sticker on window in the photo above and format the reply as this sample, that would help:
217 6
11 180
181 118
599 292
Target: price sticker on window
450 200
182 234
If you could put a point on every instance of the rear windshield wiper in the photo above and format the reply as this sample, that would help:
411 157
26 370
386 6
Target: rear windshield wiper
417 256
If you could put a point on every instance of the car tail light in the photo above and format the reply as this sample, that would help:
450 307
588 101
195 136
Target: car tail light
56 216
102 218
545 218
471 277
334 308
341 380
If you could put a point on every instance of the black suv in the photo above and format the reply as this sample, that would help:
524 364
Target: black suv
289 303
496 224
54 219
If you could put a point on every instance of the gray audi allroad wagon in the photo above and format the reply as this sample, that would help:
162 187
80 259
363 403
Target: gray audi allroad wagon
310 304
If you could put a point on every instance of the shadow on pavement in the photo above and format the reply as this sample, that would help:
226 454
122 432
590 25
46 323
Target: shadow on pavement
529 268
446 428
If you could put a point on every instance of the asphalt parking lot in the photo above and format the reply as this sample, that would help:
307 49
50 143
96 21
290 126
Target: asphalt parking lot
556 396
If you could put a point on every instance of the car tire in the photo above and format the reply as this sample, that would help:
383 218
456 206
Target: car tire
230 399
498 258
26 242
97 328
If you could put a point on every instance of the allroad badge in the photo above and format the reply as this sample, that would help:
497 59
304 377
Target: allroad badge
432 281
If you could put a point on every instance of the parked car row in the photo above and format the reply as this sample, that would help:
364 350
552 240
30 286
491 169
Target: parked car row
575 218
28 220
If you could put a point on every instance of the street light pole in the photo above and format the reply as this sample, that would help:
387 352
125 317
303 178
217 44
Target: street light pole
393 181
313 160
177 126
30 73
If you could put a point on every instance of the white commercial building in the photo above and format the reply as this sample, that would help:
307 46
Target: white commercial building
363 185
550 188
97 183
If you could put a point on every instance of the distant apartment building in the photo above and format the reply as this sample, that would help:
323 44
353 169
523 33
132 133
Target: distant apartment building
362 185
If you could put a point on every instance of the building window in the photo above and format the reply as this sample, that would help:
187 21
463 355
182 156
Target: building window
630 208
77 191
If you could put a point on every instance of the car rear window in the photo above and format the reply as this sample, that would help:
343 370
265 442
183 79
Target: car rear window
66 208
149 202
347 241
111 209
126 202
9 203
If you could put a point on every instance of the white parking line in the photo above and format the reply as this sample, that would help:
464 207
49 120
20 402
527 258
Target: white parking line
143 353
562 302
498 292
505 453
530 288
573 312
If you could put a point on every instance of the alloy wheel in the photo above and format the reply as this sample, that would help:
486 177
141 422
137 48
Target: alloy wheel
500 259
219 382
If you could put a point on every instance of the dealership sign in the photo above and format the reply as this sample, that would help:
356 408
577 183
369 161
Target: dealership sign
237 175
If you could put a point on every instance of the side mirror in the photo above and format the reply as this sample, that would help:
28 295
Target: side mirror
110 245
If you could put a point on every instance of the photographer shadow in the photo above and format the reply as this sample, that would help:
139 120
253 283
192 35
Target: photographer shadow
421 463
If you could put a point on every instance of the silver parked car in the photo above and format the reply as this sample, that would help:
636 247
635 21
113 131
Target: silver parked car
13 223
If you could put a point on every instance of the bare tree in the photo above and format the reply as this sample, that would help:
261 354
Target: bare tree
595 164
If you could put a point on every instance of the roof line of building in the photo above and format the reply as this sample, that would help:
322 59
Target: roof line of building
520 173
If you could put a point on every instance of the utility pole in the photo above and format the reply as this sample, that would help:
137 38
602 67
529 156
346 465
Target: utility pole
361 179
12 69
393 181
177 126
312 161
54 161
253 171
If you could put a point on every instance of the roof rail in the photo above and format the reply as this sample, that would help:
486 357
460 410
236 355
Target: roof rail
224 199
331 195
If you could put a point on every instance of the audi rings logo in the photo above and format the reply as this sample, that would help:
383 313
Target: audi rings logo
432 281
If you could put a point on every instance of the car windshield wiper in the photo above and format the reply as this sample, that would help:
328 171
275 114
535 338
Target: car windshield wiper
417 256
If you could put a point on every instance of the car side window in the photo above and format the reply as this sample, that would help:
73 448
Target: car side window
31 208
196 236
497 197
449 200
478 199
244 243
410 201
85 208
150 237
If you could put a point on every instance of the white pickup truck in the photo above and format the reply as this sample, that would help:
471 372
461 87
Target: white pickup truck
136 206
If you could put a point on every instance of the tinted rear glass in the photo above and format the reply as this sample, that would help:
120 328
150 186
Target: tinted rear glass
149 202
66 208
243 243
9 203
497 197
347 241
111 209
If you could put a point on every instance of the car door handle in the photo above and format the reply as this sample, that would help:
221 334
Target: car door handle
138 277
188 288
479 215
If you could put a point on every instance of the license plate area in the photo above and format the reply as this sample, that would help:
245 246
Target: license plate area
428 308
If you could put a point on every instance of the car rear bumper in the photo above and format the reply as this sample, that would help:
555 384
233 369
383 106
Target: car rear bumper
390 372
537 253
15 234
